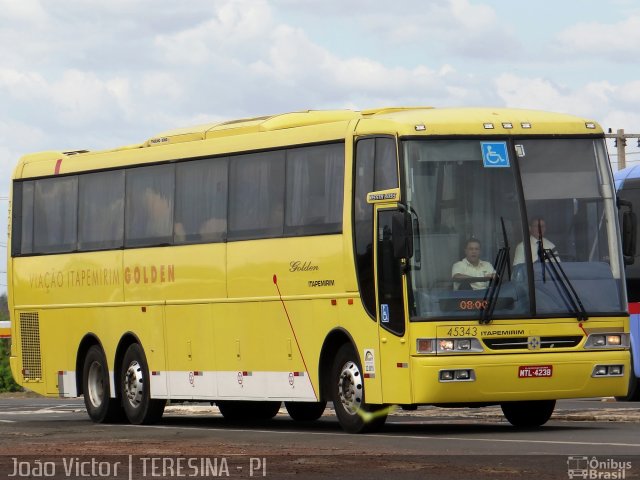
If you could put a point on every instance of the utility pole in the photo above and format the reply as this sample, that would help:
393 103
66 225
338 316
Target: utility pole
621 144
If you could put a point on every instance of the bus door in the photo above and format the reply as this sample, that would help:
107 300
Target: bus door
394 345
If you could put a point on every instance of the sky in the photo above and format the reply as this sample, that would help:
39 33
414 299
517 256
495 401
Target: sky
86 74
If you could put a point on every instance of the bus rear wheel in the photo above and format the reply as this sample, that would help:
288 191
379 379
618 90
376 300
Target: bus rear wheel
305 411
244 411
528 414
135 389
347 390
95 387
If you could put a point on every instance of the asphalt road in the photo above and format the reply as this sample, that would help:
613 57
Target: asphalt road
586 438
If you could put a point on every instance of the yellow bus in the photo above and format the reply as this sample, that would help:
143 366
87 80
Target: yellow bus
308 258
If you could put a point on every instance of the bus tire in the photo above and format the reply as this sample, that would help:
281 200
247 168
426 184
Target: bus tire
246 411
305 411
96 388
634 390
347 392
135 389
633 393
528 414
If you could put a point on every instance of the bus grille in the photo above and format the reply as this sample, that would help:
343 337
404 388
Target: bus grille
30 337
522 343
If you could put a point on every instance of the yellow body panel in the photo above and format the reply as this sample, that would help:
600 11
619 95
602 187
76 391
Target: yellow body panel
63 279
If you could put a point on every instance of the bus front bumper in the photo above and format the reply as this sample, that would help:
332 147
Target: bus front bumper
499 378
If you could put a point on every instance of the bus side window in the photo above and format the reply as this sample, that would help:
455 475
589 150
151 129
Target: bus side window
101 210
386 164
315 181
22 239
55 215
201 201
149 206
375 169
256 195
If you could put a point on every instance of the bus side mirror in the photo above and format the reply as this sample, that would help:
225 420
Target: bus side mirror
629 234
402 233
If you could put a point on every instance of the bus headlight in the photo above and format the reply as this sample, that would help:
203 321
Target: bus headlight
459 345
614 340
608 371
446 345
615 370
426 346
600 371
607 340
457 375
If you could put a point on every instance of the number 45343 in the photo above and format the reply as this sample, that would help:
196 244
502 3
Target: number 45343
462 331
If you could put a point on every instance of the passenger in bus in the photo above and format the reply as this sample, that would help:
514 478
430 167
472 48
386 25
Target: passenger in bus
537 228
149 214
210 230
471 267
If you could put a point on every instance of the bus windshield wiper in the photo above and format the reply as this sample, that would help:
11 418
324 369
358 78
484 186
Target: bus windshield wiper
557 272
501 264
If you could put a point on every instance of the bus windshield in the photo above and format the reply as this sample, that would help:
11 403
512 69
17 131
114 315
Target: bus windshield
543 205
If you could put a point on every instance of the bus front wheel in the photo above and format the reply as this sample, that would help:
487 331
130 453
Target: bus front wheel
135 388
347 389
528 414
633 393
634 389
95 387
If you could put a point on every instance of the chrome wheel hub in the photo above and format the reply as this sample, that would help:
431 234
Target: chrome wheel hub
95 384
134 384
350 388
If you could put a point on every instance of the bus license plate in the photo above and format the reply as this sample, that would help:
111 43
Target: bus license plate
535 371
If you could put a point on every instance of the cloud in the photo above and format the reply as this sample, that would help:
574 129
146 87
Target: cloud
613 105
24 12
22 85
82 98
235 29
428 28
74 98
121 71
244 57
630 94
234 58
617 41
628 121
17 139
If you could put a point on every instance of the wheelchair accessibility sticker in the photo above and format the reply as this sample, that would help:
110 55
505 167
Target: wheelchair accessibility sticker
495 154
384 313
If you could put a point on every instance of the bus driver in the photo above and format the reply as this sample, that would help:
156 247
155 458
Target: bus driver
471 267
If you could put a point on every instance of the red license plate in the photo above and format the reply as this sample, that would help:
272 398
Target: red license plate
535 371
